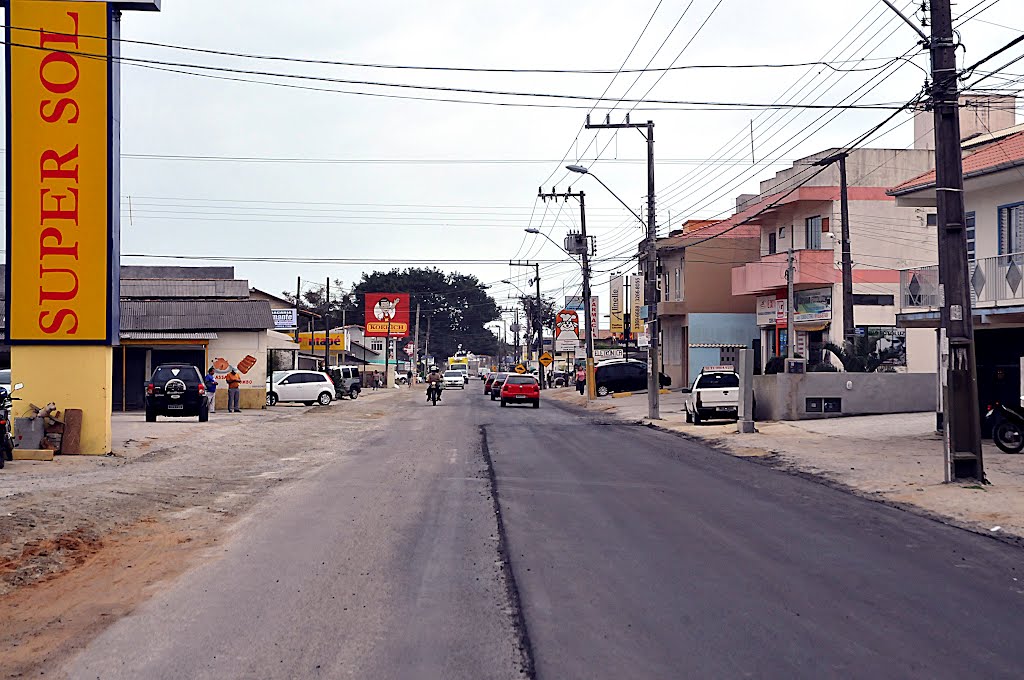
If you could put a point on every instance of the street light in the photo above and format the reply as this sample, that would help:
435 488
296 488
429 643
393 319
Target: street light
654 375
538 232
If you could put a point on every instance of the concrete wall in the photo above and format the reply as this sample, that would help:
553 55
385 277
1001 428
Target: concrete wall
783 397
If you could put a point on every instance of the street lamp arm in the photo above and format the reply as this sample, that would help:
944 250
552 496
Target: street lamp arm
584 171
541 233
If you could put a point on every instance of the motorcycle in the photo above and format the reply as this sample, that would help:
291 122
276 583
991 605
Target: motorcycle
1008 427
6 438
434 392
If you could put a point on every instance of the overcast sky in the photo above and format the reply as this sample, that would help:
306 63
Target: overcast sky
414 208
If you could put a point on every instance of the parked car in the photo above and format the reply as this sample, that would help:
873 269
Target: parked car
499 379
347 381
488 379
715 393
452 380
176 390
307 387
5 378
559 379
520 389
620 375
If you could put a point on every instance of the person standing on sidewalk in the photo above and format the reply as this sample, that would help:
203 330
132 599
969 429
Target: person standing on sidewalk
234 381
210 382
581 379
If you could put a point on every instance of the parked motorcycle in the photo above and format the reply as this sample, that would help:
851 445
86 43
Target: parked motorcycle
1008 427
6 438
434 392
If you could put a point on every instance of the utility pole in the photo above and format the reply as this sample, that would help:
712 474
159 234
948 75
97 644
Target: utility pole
962 429
426 344
537 321
416 352
583 249
849 334
650 266
790 331
515 330
298 295
327 325
627 317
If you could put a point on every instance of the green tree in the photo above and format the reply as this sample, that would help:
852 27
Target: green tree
863 355
547 314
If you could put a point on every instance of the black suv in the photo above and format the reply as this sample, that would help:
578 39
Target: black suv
623 375
176 390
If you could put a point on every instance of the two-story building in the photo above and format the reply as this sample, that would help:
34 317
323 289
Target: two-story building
701 322
794 212
993 167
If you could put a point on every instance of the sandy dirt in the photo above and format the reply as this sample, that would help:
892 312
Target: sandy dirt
83 540
895 458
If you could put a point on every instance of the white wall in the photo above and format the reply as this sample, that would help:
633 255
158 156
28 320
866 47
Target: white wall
985 205
233 346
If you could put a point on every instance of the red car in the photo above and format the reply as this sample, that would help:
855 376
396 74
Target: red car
520 389
487 383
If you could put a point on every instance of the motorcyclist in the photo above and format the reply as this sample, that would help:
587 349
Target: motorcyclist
434 377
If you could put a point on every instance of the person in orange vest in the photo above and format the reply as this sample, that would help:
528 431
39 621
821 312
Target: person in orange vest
234 381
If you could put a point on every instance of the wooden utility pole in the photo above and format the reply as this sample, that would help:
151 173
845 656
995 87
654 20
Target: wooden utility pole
327 325
416 352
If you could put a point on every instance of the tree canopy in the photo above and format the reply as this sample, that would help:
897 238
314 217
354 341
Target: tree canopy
455 306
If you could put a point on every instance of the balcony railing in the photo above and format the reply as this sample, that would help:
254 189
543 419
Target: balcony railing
993 281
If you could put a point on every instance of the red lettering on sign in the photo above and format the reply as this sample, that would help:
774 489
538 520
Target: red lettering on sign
57 213
58 248
53 85
58 318
58 110
45 295
67 37
58 171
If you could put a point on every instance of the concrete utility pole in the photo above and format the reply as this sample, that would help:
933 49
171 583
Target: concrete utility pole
790 331
416 351
650 266
962 427
584 252
327 325
849 334
537 317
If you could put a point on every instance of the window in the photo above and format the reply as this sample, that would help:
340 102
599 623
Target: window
377 345
931 220
520 380
666 287
772 244
679 287
722 380
969 228
782 232
812 240
1011 229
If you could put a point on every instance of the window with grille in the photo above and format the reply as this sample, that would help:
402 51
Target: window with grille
377 345
813 236
969 228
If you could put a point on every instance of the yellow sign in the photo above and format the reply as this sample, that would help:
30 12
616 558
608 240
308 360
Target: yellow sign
520 369
617 307
546 359
636 293
314 342
63 241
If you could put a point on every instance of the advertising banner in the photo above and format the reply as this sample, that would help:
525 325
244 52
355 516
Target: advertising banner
616 308
594 315
314 342
781 310
812 305
387 315
636 296
567 330
62 241
285 319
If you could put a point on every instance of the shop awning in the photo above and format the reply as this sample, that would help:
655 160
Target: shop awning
716 345
168 335
811 326
277 340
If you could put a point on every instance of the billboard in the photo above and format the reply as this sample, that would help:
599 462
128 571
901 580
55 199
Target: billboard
63 238
575 302
812 305
594 326
567 330
314 342
387 315
285 319
636 296
616 308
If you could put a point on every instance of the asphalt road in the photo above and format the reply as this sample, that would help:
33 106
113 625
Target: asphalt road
635 554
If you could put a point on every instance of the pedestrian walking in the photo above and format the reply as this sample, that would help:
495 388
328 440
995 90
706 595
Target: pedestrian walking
234 381
210 382
375 380
581 379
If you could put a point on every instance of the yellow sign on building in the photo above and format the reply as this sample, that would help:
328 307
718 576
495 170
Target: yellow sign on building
314 342
59 160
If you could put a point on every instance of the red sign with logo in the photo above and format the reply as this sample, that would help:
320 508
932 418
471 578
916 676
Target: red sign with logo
387 315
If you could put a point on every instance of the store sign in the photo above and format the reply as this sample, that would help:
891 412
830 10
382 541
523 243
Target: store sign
766 310
387 315
593 315
575 302
781 315
314 342
636 295
285 319
888 342
812 305
63 240
602 354
616 323
567 330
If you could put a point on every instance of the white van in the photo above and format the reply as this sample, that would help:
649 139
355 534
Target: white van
307 387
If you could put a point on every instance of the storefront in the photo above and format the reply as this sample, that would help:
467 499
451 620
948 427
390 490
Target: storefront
812 318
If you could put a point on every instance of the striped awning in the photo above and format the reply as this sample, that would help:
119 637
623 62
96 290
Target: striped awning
716 345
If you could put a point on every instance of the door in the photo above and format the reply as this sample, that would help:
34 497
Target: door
636 377
290 388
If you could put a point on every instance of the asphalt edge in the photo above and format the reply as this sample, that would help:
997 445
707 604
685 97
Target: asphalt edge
776 462
525 647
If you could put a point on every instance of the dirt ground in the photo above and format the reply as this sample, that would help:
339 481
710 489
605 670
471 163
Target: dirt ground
83 540
894 458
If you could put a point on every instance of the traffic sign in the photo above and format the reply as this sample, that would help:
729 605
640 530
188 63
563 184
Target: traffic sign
546 359
520 369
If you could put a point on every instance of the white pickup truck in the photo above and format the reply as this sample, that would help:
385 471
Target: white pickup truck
715 393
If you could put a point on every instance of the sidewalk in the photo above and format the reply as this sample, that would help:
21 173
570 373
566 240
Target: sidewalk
894 458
